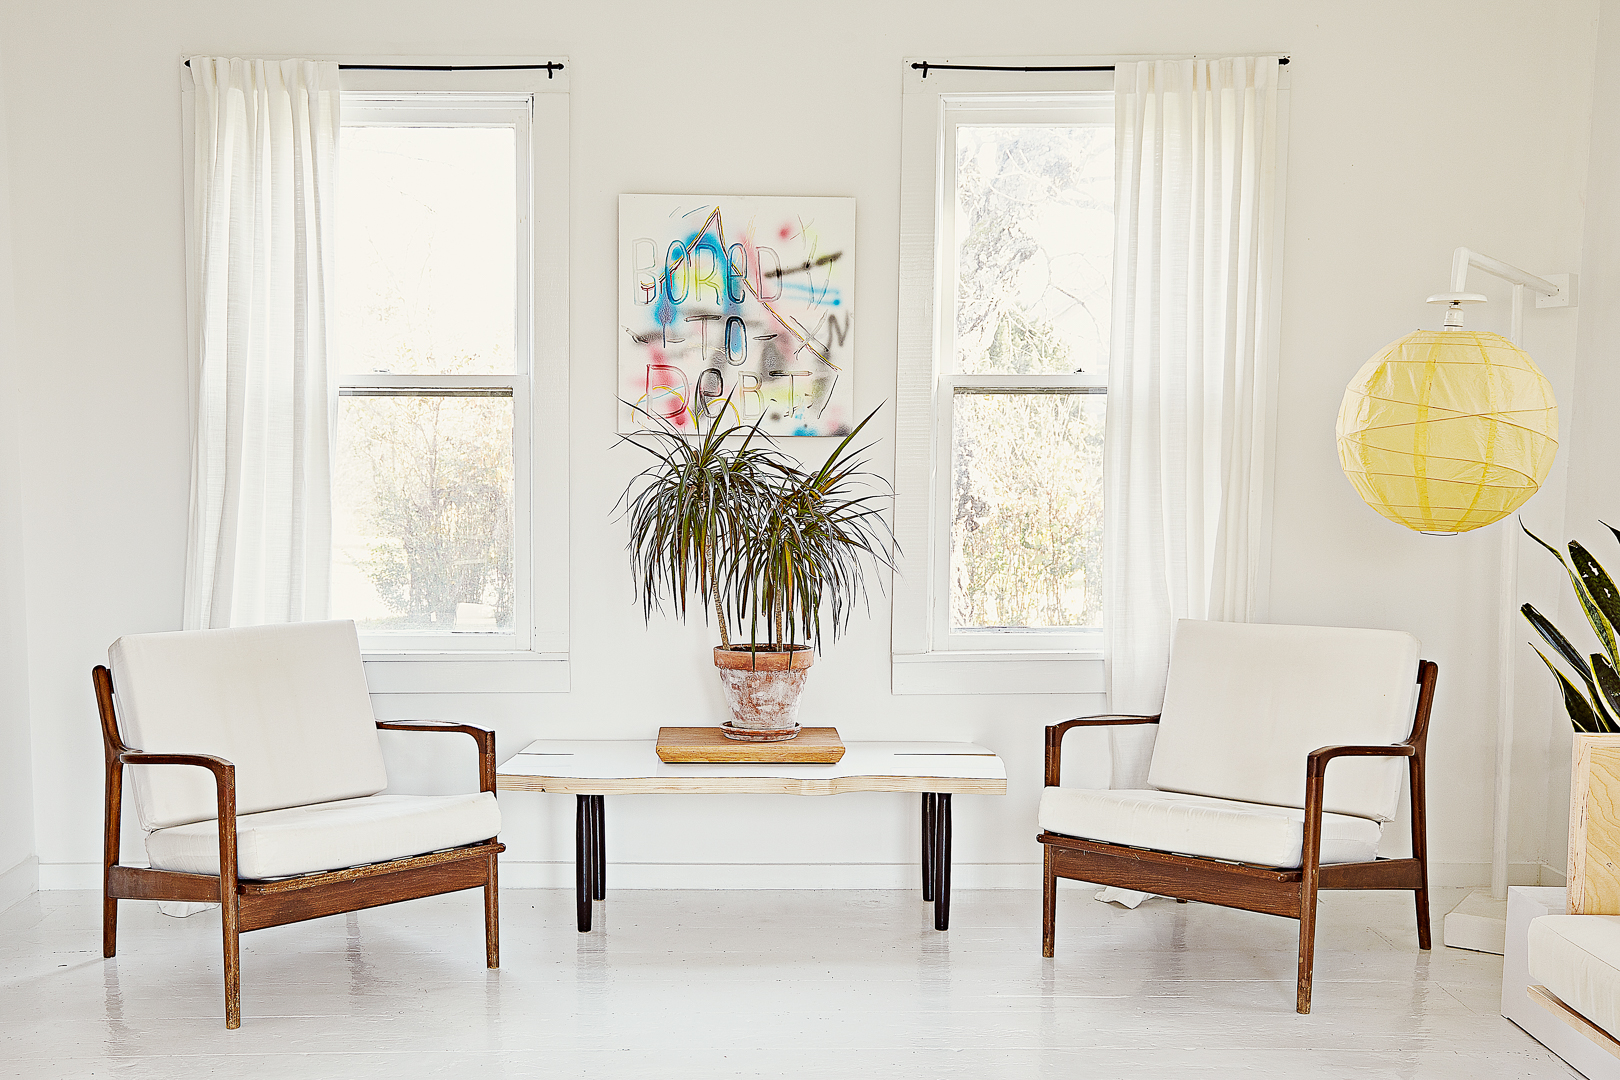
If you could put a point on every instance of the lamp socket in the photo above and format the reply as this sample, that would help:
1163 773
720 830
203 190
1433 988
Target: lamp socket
1567 294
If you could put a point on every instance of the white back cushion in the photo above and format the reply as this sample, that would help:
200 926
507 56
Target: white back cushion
287 705
1246 702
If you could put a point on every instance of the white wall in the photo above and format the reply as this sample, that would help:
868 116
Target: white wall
1413 130
1592 436
17 869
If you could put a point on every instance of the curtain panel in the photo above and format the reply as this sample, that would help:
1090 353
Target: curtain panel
263 184
1190 365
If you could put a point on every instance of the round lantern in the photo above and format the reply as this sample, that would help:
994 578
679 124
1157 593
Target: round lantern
1448 430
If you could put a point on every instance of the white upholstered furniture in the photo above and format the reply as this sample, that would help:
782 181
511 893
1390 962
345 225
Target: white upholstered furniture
1240 808
1581 971
280 817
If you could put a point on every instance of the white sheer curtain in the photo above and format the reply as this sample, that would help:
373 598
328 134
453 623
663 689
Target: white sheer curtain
263 186
1189 370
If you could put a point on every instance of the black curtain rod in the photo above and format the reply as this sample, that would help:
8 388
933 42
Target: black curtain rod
925 67
550 69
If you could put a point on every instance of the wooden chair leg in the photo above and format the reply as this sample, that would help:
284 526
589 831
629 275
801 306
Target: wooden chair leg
109 922
1420 849
1049 903
111 839
1422 897
492 918
233 958
1307 945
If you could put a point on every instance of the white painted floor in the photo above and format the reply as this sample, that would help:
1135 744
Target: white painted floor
719 984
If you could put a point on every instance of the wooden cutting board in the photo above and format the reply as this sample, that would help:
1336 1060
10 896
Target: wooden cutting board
813 745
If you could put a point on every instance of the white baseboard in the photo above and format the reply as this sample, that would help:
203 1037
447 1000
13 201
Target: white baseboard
20 881
964 875
69 875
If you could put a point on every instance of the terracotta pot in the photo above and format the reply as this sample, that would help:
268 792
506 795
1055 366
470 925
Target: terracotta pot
763 684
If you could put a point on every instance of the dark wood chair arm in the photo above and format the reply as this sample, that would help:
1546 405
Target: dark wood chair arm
1055 733
484 737
1316 761
225 795
216 765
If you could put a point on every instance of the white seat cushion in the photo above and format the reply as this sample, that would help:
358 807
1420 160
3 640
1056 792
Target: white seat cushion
1577 957
287 705
330 836
1245 703
1199 825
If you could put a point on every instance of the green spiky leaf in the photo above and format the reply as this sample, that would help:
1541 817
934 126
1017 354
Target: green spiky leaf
1599 598
1569 655
772 544
1581 713
1608 681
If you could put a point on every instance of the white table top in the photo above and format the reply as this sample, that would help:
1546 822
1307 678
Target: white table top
633 768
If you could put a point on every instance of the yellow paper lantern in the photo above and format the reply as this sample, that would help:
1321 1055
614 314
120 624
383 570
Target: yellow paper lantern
1448 430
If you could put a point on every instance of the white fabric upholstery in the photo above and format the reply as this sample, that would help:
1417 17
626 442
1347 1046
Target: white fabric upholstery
286 704
1246 702
332 835
1577 957
1198 825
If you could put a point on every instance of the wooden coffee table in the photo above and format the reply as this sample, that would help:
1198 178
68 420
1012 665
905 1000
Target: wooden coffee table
590 771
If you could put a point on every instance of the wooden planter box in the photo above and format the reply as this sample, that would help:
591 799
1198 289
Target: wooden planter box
1594 826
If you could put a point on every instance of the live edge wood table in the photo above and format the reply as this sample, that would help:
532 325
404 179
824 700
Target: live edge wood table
592 770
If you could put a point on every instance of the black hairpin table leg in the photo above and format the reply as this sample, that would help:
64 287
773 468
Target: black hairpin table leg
584 846
942 862
601 847
929 844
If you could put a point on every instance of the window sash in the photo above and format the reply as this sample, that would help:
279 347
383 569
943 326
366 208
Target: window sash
456 110
924 660
1002 110
989 638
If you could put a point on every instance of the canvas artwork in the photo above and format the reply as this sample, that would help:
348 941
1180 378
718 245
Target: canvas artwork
738 305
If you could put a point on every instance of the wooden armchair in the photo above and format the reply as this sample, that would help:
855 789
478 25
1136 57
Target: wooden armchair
278 817
1242 811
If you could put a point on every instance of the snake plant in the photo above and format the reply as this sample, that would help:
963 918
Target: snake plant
728 518
1594 711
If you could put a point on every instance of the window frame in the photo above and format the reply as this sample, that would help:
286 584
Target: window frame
428 109
959 111
928 655
541 665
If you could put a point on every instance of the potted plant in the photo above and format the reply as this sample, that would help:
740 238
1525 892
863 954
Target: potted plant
766 544
1594 878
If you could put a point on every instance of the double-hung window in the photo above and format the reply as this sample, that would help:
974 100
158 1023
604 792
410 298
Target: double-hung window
450 447
1007 242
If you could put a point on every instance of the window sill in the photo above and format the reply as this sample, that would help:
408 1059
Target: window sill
1000 672
466 673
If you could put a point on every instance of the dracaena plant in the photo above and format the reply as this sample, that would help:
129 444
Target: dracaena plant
726 517
1594 711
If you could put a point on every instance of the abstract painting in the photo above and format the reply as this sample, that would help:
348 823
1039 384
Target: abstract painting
736 305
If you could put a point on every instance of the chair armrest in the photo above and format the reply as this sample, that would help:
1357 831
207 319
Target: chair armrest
216 765
225 795
1317 760
1316 763
484 737
1055 733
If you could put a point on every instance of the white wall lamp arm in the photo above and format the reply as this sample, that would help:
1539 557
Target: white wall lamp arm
1556 292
